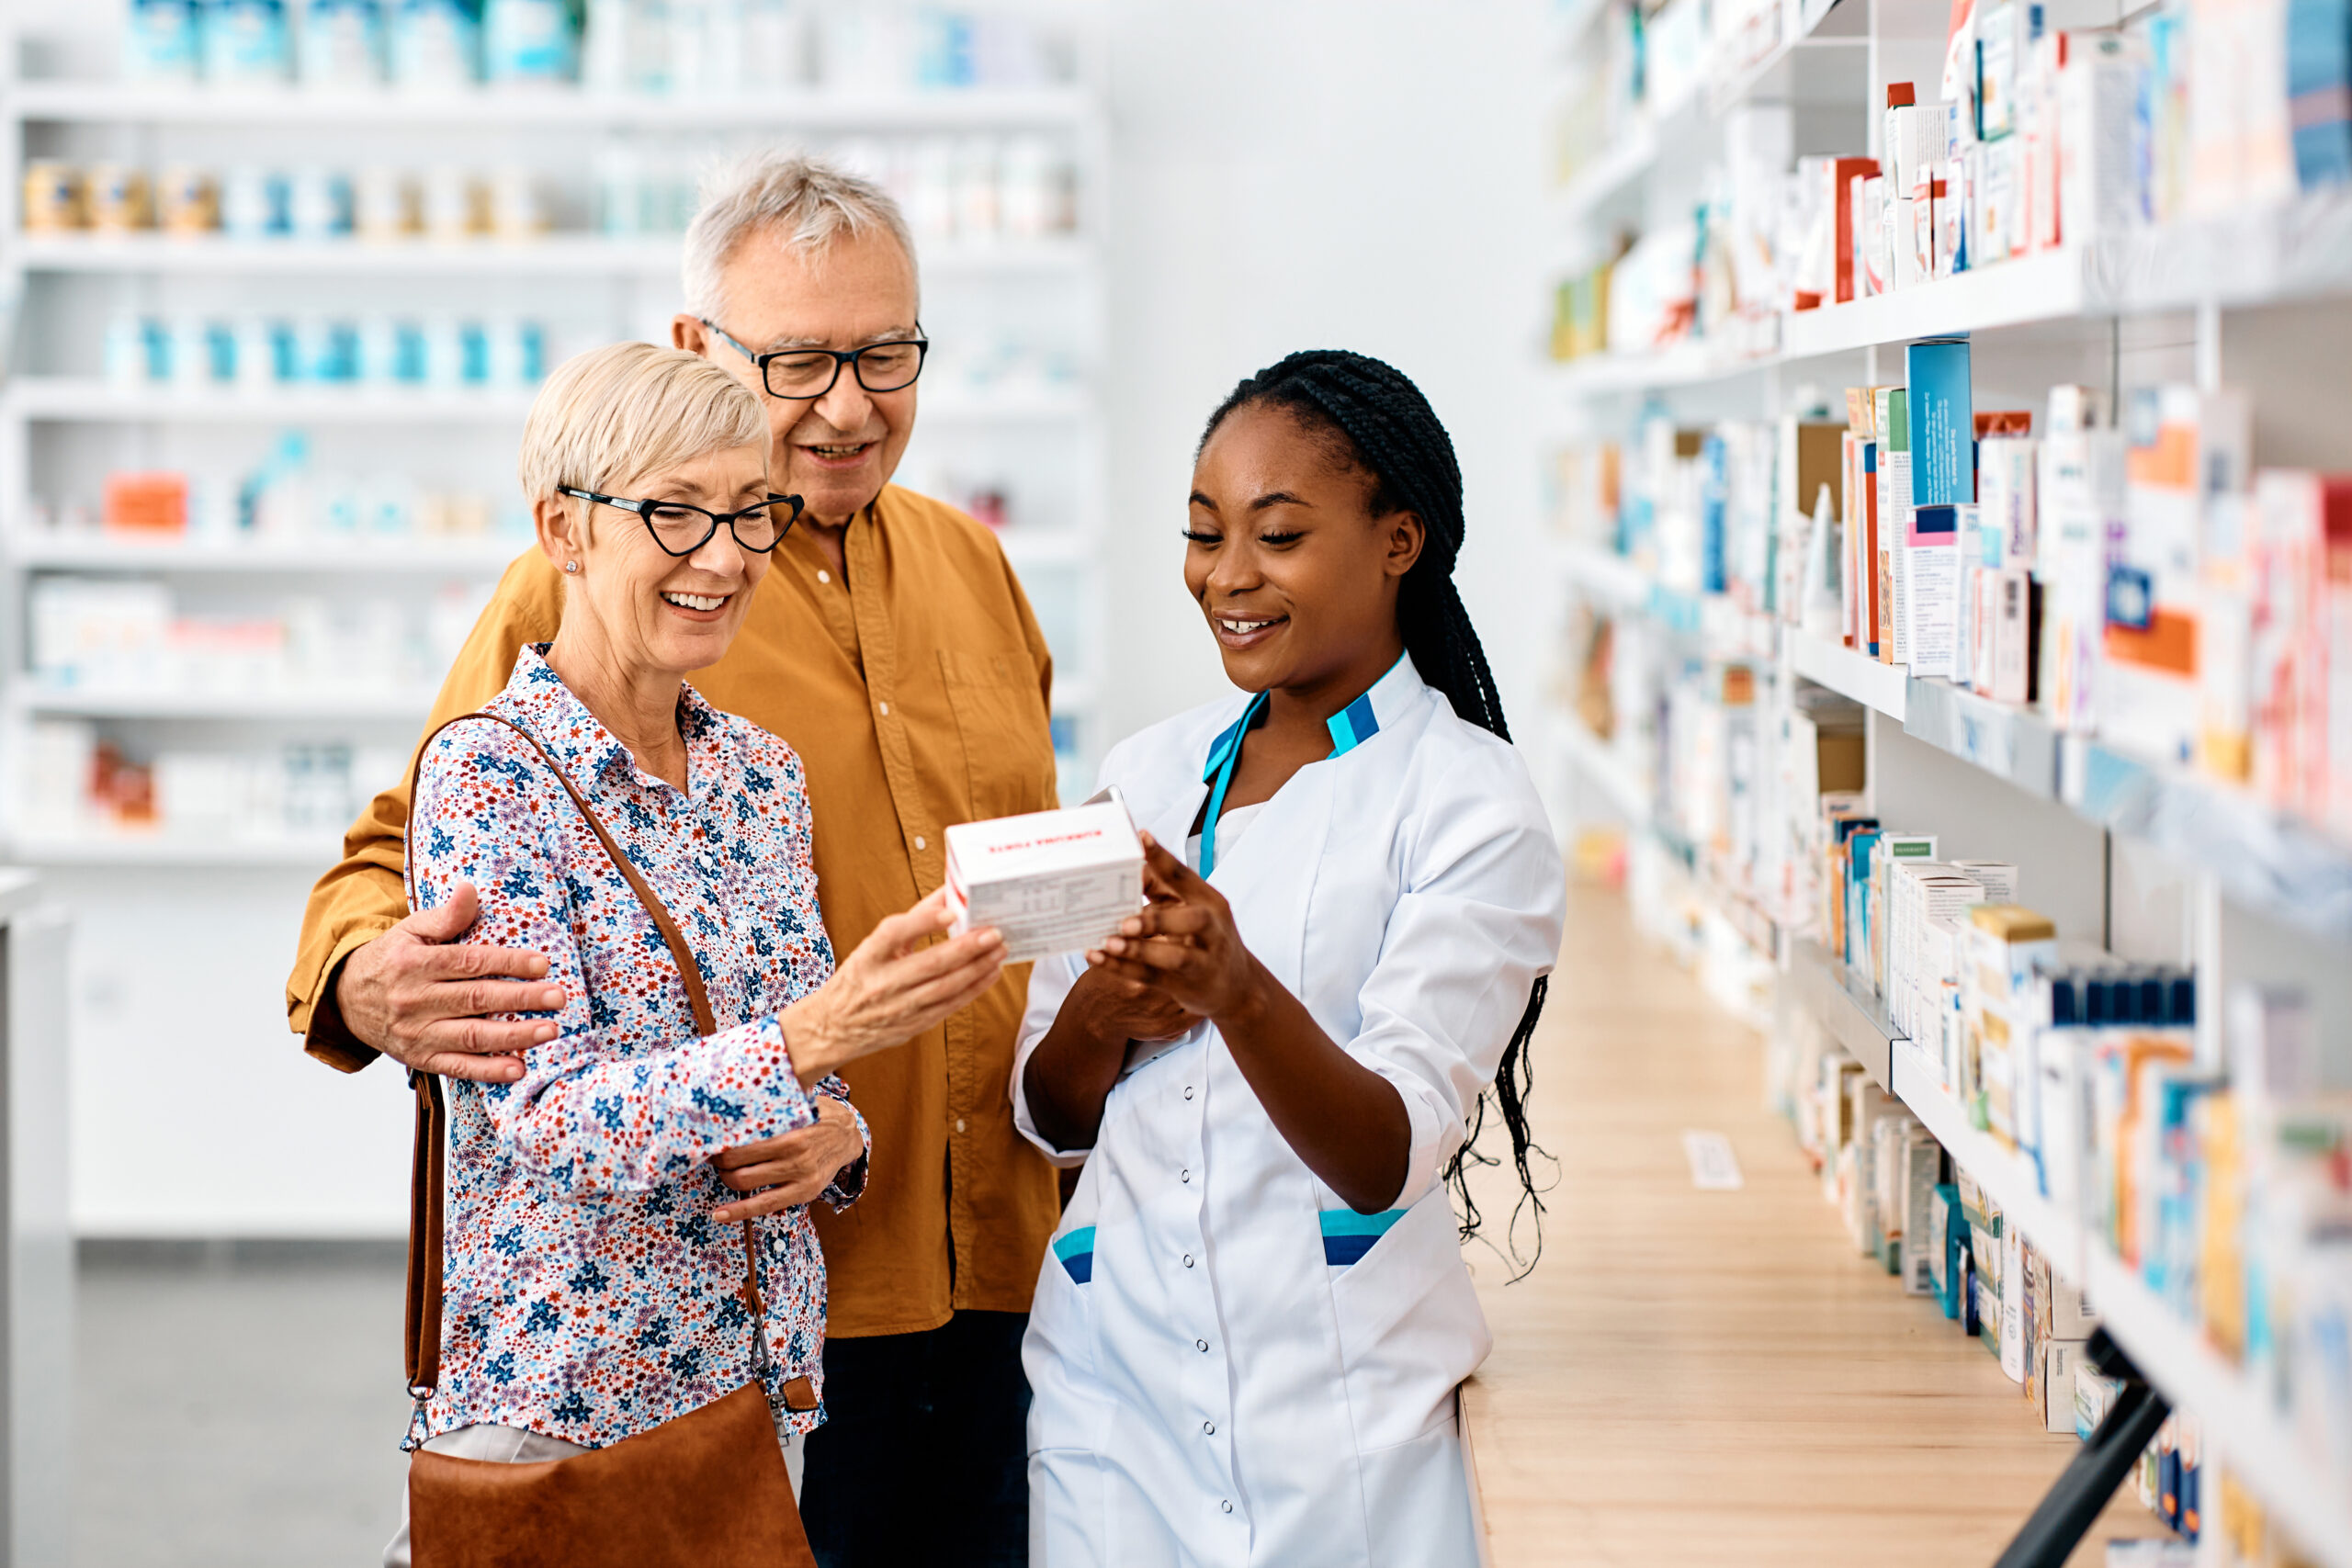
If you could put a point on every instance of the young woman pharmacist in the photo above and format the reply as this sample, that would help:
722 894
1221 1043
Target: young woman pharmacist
1248 1330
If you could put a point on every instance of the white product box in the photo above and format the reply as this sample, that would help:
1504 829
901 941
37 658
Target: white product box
1050 881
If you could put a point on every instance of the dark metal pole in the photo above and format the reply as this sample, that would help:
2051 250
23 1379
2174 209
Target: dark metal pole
2067 1510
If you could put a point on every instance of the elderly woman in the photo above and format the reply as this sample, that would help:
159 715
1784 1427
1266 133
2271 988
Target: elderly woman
593 1284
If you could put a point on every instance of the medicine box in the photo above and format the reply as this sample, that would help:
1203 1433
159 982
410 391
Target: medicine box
1050 881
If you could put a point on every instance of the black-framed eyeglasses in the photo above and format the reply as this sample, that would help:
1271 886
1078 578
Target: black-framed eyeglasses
682 529
799 374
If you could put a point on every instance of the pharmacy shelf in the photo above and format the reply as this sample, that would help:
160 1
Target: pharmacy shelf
1602 176
114 552
1685 363
2297 250
1844 1008
563 110
410 706
2011 743
2237 1420
164 850
1857 675
1600 762
2267 861
61 399
2044 287
564 255
1606 576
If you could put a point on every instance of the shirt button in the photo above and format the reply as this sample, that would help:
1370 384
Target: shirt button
1202 1345
1188 1091
1209 1427
824 576
919 841
1226 1505
959 1124
884 707
1188 1260
1183 1176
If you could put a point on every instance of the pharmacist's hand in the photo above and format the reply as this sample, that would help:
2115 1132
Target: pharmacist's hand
424 997
1184 944
786 1172
1112 1010
899 982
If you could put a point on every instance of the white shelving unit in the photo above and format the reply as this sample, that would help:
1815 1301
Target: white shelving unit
53 413
2151 304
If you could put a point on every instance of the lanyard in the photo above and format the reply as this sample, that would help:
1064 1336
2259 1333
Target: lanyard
1221 780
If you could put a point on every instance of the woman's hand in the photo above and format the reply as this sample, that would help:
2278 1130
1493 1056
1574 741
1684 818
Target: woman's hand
899 982
1184 945
1346 1123
1111 1012
786 1172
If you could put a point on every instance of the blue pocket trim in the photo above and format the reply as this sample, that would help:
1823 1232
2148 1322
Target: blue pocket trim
1348 1235
1076 1250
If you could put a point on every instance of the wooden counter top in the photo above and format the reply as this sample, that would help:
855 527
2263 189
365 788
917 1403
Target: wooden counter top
1718 1378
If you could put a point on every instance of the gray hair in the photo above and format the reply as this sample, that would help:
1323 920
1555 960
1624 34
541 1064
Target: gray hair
627 411
807 201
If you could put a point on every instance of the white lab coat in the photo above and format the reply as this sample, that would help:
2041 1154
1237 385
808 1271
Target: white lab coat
1216 1392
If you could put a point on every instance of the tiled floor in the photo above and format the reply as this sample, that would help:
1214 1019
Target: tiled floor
237 1409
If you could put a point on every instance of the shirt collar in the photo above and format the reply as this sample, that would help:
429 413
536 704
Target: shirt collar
563 724
1351 727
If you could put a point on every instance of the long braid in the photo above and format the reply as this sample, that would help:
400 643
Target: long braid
1385 427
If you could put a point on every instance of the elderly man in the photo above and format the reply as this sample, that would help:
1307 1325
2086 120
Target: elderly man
893 647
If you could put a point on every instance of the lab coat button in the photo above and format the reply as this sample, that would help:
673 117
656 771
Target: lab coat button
1188 1091
1188 1260
1210 1427
1226 1505
1202 1345
1183 1176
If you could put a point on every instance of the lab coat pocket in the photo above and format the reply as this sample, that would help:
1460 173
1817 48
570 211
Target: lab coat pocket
1410 1327
1001 719
1068 1407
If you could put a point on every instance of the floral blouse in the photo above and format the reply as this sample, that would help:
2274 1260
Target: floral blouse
588 1295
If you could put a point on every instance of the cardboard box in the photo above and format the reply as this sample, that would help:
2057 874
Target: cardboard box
1050 881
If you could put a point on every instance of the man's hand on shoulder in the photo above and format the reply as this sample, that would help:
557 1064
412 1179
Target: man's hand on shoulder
423 998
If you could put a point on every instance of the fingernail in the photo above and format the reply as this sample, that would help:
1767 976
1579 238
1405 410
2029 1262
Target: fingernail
1132 927
551 997
1116 944
545 1033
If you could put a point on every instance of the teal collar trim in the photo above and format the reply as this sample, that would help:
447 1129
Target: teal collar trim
1351 727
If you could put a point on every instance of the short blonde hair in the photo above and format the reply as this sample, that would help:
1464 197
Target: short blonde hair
630 409
808 202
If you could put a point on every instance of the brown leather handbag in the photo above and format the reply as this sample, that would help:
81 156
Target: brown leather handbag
707 1490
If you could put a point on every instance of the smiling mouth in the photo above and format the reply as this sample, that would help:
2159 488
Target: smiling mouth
1245 631
837 451
703 602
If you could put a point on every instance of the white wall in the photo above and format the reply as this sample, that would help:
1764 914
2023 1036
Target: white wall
1317 173
1287 174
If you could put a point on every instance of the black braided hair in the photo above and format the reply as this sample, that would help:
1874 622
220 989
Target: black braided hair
1379 422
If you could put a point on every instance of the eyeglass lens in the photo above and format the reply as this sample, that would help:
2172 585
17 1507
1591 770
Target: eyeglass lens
682 530
880 367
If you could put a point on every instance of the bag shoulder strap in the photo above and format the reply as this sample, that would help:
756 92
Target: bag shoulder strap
428 1170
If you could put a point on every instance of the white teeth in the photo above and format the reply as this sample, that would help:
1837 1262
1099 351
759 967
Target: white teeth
1242 628
695 601
851 450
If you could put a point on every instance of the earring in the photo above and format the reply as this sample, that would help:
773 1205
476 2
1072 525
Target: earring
572 566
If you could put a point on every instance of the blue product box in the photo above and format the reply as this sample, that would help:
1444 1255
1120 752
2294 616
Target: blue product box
1943 424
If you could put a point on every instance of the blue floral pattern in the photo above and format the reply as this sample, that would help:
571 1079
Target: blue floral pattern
587 1294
